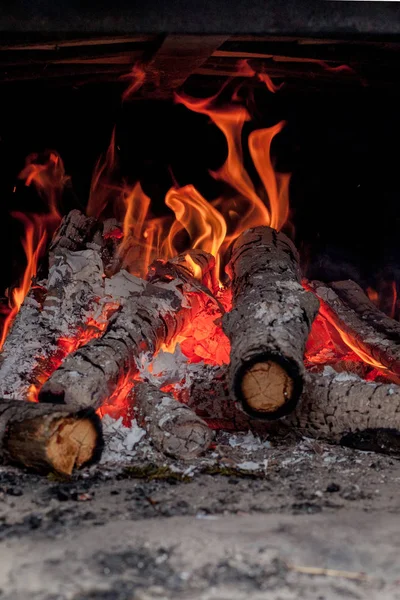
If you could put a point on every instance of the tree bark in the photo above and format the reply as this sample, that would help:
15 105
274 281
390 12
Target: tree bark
173 427
49 438
269 323
153 314
369 333
339 408
347 410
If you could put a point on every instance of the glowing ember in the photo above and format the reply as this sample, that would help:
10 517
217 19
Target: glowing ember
210 225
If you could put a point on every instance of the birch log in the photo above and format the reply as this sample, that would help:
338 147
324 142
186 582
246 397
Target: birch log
269 323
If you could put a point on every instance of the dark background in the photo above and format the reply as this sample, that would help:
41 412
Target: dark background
208 16
342 150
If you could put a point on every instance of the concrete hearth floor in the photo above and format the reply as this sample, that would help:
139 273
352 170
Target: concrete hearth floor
319 523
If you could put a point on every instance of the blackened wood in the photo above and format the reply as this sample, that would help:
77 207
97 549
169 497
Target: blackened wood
173 427
355 298
346 409
338 408
205 389
269 323
48 438
153 314
368 332
74 231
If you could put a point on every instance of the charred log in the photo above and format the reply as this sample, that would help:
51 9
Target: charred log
74 231
370 334
339 408
153 313
173 427
269 323
347 410
48 438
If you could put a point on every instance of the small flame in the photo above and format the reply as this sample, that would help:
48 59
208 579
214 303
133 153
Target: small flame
33 249
46 174
205 225
136 78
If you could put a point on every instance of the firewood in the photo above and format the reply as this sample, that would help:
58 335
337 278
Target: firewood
72 302
269 323
173 427
338 408
153 314
72 234
348 410
48 438
371 334
205 389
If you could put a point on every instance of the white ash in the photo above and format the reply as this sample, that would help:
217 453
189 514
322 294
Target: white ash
275 312
123 285
343 376
250 465
166 367
120 441
248 442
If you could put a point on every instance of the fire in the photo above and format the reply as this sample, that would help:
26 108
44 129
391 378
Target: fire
192 222
46 174
210 224
33 249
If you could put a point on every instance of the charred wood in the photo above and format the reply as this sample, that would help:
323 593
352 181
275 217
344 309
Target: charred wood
269 323
153 313
347 410
48 438
371 334
173 427
71 304
338 408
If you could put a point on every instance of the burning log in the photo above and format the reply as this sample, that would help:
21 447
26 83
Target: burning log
153 313
348 410
269 324
339 408
173 427
73 287
368 332
49 438
74 231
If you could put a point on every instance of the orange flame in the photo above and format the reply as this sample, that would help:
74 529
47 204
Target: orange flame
33 249
47 174
210 226
205 225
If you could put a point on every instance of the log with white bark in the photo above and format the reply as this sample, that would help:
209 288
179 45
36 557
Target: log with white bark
269 323
173 427
48 438
368 332
153 313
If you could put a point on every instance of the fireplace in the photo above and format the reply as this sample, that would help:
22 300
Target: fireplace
203 238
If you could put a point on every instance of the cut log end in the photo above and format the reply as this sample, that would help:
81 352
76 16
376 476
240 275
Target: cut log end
267 387
54 441
71 444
